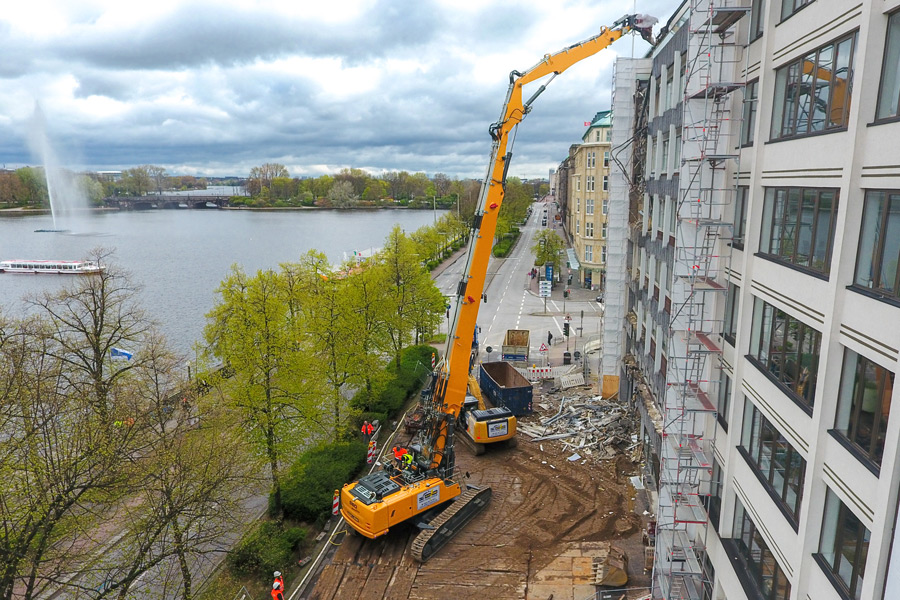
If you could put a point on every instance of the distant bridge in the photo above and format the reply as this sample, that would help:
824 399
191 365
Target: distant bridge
166 202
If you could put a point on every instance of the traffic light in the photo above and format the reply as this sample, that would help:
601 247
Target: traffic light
566 329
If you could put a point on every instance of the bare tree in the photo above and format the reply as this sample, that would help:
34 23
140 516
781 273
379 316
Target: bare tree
90 319
263 175
441 184
157 177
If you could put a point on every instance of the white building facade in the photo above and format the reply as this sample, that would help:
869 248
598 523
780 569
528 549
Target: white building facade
763 314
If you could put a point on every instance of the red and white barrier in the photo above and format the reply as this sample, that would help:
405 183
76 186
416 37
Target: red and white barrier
538 373
370 455
336 503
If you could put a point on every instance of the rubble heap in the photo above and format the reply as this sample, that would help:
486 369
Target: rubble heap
591 426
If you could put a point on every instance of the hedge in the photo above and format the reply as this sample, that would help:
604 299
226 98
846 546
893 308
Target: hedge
415 365
264 550
309 485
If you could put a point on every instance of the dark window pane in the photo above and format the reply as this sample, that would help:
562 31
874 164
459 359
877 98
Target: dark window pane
805 232
813 93
891 252
840 101
822 85
889 97
798 226
824 231
873 219
789 227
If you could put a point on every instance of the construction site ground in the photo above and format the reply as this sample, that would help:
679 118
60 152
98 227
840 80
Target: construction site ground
549 521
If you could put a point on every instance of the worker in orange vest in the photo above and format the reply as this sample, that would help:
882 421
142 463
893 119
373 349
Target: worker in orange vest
277 592
279 580
399 451
367 430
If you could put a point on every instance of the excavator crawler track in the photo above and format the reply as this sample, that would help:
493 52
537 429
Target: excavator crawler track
450 522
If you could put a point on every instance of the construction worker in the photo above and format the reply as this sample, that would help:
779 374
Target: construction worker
367 430
407 460
279 580
277 592
398 451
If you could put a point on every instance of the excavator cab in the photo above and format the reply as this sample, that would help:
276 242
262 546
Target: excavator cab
486 426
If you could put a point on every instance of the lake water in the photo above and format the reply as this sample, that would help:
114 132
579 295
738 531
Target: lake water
179 257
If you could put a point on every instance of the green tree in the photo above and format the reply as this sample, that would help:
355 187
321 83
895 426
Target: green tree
320 186
403 278
263 176
35 185
366 319
547 247
375 191
396 182
357 178
12 190
91 189
137 181
55 458
329 319
250 331
416 185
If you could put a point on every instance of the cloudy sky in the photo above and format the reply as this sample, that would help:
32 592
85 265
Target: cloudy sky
215 87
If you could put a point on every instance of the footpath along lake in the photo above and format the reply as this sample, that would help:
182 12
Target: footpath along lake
181 256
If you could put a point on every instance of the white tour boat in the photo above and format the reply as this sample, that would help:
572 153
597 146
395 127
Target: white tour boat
74 267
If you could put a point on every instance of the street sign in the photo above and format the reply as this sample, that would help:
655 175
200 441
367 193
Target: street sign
543 348
544 289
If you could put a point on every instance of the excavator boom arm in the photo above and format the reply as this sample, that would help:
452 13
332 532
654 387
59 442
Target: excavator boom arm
450 389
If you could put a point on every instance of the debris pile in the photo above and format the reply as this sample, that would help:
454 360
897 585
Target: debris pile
592 427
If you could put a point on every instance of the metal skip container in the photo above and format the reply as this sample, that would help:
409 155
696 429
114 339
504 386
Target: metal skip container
503 386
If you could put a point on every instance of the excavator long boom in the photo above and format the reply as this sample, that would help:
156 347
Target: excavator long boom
454 372
414 491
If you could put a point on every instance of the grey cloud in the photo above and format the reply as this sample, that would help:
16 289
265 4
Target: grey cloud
241 115
197 35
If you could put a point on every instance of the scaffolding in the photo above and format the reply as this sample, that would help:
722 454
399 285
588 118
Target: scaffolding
707 186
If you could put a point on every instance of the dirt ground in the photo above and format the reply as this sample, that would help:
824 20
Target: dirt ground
548 521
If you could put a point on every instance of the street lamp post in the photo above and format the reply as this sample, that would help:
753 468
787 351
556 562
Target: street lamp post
434 207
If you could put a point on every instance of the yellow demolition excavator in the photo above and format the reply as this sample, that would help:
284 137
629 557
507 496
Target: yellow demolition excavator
420 489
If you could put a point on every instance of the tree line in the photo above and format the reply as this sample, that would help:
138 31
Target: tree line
136 450
27 186
270 185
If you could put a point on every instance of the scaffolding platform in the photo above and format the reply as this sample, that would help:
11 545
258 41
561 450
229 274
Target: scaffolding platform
677 546
702 343
695 399
680 587
716 90
704 284
722 18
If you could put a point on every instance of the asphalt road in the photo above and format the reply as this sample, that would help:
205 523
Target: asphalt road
514 303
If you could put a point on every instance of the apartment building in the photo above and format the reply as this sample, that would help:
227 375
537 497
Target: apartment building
762 329
586 202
